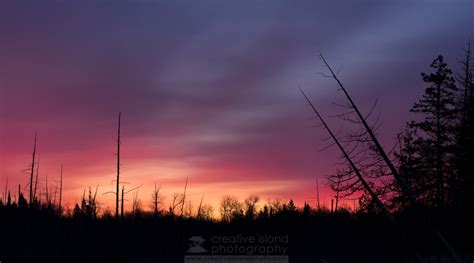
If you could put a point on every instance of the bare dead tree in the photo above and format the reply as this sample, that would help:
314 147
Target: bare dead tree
155 199
184 196
89 205
199 215
32 171
188 209
50 192
9 199
46 189
55 194
465 79
94 198
123 201
36 180
250 204
117 181
346 156
6 190
373 139
336 196
276 205
61 191
335 186
206 212
118 170
177 199
317 194
230 206
136 203
123 193
344 183
172 206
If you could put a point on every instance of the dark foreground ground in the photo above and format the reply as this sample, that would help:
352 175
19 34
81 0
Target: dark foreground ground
27 236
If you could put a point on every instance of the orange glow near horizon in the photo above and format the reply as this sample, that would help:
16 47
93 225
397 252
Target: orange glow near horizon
95 167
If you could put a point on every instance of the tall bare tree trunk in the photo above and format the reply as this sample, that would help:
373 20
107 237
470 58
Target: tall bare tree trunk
32 171
118 170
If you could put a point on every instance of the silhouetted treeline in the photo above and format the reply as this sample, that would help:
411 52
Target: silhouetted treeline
314 234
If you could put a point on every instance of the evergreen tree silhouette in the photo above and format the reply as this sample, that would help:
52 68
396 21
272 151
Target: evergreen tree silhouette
439 108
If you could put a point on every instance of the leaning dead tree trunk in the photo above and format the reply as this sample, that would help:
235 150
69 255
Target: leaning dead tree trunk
118 170
351 163
32 171
401 182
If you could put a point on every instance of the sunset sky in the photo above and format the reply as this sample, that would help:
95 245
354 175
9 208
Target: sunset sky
207 90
